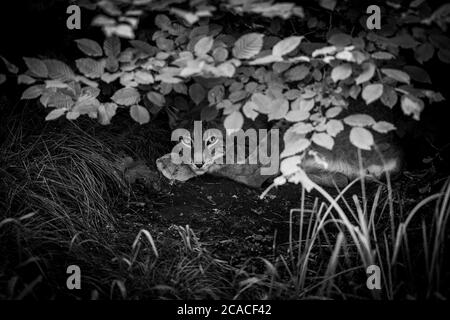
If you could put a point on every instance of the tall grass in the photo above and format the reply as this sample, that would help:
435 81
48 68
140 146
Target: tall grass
350 237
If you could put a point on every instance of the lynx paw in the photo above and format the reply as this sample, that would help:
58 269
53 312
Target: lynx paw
172 171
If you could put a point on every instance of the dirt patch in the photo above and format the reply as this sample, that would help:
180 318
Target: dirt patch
230 219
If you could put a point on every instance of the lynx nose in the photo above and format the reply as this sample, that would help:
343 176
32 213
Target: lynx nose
199 165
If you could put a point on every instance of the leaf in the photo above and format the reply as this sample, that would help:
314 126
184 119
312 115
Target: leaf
328 4
237 96
127 80
86 105
395 74
164 44
444 55
341 72
286 45
203 46
389 97
163 22
106 112
264 102
424 52
418 74
89 47
372 92
59 70
302 104
226 69
197 93
90 92
56 84
348 56
25 79
324 51
302 128
279 67
405 41
126 96
192 67
143 77
294 143
156 98
297 115
333 112
290 165
266 59
297 73
121 30
91 68
71 115
334 127
354 91
180 88
340 40
209 113
32 92
383 127
368 70
139 114
9 66
323 139
249 110
216 94
111 46
199 31
440 41
144 47
228 107
233 122
383 55
189 17
235 86
361 138
291 94
248 46
220 54
55 114
37 67
412 106
359 120
111 64
60 100
280 111
433 96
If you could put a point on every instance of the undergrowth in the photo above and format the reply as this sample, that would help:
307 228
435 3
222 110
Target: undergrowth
61 196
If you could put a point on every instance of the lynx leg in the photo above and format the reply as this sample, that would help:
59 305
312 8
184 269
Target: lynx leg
328 179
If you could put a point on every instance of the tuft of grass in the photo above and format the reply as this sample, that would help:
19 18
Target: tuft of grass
56 190
337 242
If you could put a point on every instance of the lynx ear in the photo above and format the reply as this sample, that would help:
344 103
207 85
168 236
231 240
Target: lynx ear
178 119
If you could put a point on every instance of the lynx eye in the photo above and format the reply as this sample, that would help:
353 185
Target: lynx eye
211 141
187 141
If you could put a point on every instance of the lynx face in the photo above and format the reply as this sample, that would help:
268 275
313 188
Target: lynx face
203 158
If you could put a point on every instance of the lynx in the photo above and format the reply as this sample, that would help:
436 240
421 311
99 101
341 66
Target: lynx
343 163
